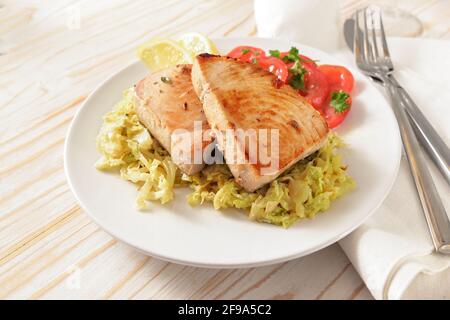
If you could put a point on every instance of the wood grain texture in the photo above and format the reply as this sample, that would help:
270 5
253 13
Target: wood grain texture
49 248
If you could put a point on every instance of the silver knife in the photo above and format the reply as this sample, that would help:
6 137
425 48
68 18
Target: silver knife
428 137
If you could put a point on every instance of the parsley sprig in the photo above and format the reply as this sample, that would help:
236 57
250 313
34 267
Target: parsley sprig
292 55
275 53
297 76
339 101
296 72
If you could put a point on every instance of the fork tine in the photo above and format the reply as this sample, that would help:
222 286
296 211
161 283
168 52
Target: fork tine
358 45
374 35
356 38
367 47
383 37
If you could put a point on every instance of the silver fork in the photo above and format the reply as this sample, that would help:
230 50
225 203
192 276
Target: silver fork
372 57
434 145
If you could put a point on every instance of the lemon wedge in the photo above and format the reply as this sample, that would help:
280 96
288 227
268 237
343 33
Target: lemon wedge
158 54
196 43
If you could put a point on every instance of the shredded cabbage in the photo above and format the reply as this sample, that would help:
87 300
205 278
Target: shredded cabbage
126 145
306 189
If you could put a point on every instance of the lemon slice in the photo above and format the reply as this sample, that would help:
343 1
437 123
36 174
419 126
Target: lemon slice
158 54
196 43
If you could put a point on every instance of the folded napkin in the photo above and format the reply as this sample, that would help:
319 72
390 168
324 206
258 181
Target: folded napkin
392 251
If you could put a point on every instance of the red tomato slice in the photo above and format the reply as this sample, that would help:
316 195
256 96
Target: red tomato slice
306 60
334 118
316 85
242 54
339 78
274 65
303 59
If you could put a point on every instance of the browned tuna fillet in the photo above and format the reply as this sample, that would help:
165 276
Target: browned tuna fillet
237 94
166 102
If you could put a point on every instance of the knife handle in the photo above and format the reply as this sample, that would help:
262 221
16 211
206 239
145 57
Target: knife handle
427 135
435 214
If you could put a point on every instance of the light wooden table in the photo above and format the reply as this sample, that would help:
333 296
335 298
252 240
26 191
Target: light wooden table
49 248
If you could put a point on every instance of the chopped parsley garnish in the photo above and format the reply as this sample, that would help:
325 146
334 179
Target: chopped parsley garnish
245 51
297 76
275 53
297 81
254 61
296 72
292 55
339 101
166 80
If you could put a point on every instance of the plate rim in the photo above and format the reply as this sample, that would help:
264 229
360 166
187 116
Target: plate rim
311 250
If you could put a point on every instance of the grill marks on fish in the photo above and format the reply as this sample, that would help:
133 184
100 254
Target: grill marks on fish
242 94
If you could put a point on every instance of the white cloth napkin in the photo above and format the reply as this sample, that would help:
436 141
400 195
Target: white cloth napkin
392 251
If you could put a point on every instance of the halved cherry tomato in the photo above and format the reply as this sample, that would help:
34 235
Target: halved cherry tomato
246 53
316 86
274 65
308 60
334 118
339 78
303 59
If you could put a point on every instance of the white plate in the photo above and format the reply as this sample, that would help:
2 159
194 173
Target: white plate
204 237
